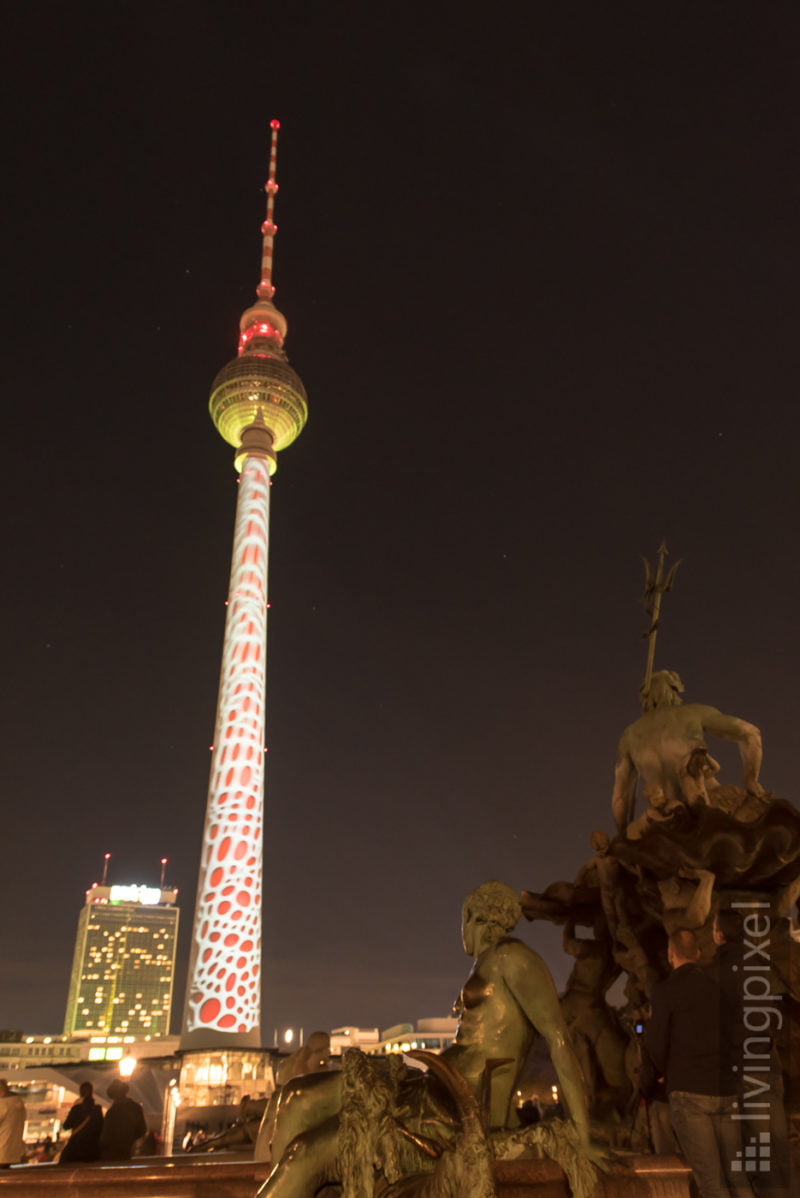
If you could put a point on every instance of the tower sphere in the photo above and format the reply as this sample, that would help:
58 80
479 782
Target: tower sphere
255 388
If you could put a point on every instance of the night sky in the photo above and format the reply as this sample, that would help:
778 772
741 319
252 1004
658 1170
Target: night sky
540 266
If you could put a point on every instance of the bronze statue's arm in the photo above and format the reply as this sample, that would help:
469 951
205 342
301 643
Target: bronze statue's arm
529 980
583 875
699 908
728 727
572 944
787 897
623 798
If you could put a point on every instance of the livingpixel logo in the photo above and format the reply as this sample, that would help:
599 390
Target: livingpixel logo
755 1157
762 1019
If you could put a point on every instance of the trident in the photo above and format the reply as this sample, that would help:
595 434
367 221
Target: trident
654 588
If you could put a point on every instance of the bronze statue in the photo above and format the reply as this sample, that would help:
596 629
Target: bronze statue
666 748
255 1118
597 1036
508 997
312 1057
242 1132
685 905
697 844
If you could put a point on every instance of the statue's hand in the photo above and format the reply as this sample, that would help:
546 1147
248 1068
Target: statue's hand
755 788
689 871
597 1154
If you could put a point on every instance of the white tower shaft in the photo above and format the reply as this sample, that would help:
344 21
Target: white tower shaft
223 992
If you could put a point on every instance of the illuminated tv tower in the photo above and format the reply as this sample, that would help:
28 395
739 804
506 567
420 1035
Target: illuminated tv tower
258 405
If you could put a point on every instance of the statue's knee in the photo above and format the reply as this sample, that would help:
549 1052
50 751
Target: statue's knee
292 1109
293 1092
296 1150
303 1152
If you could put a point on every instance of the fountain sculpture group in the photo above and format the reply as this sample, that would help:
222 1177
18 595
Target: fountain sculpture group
380 1128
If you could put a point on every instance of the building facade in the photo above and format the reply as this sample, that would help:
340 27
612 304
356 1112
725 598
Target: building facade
30 1052
433 1034
124 963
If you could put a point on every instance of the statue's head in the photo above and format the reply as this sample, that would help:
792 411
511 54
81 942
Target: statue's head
665 690
488 914
600 842
675 892
317 1052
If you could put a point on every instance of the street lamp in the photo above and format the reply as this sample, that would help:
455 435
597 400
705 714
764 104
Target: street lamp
127 1066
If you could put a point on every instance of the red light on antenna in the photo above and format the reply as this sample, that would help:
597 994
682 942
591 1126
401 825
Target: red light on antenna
274 124
163 861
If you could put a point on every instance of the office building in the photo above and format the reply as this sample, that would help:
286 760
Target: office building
124 963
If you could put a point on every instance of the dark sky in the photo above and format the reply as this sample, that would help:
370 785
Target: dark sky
540 265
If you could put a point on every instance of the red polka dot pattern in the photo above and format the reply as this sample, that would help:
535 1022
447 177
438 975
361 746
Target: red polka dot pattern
223 988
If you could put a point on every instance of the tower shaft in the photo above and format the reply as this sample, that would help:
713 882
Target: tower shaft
223 990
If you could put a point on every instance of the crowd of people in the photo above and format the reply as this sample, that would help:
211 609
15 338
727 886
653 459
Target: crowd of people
94 1136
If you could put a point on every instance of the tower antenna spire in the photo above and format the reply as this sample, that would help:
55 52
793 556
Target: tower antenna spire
106 859
655 585
265 289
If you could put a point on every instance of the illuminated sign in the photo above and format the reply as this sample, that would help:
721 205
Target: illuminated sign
135 894
105 1054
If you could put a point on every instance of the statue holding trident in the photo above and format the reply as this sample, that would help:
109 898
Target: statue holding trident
666 746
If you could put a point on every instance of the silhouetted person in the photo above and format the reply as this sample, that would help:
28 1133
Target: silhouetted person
123 1125
685 1044
149 1145
530 1112
756 1055
85 1121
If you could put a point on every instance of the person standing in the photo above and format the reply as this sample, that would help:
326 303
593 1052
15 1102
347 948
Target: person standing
685 1044
85 1121
530 1113
759 1065
123 1124
12 1125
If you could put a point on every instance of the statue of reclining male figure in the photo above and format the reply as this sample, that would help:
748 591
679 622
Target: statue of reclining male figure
508 997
